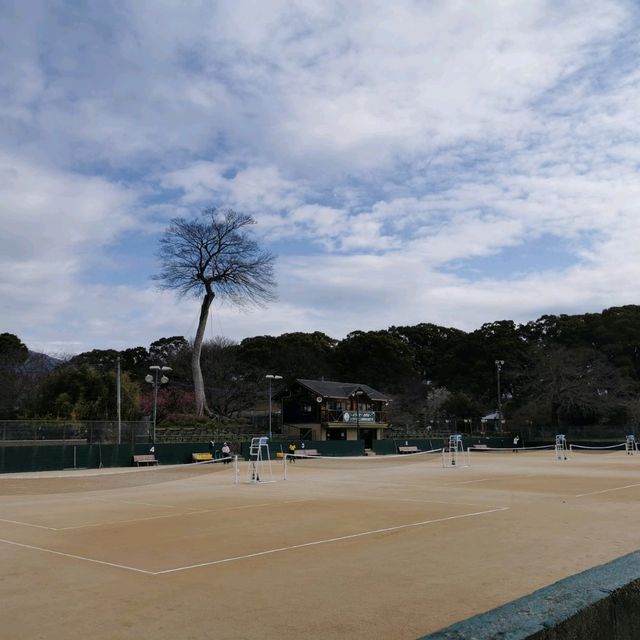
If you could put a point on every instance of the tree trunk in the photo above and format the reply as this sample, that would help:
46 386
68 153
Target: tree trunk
198 382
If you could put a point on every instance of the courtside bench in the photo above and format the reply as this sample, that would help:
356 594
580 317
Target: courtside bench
201 457
305 453
147 458
409 449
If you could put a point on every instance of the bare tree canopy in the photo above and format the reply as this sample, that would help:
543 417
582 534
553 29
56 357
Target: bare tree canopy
214 255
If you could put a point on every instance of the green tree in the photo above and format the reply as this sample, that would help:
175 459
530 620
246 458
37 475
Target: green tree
430 345
165 350
14 378
291 355
84 392
231 385
573 385
376 358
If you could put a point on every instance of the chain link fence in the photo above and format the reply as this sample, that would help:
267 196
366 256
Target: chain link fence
44 432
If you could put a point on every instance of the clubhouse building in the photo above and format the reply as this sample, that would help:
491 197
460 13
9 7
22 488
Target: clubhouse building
324 410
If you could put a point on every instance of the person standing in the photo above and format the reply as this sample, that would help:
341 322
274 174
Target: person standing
516 439
226 453
292 451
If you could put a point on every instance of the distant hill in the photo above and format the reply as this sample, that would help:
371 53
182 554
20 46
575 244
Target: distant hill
41 362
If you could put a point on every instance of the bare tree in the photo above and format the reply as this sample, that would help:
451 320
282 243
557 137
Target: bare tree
209 256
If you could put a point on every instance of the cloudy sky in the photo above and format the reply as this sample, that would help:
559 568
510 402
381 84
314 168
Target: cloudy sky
439 161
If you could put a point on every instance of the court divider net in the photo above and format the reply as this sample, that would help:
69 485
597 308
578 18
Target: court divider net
359 463
483 449
583 448
82 480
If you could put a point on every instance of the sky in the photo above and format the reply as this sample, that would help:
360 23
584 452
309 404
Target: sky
411 161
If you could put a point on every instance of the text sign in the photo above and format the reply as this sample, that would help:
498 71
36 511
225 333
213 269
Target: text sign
355 417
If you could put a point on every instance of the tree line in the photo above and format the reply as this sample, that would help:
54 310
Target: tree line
558 370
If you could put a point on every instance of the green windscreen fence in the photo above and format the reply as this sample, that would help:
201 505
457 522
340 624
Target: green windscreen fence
16 459
51 457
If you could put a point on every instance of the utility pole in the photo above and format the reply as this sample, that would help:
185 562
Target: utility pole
499 364
119 401
271 377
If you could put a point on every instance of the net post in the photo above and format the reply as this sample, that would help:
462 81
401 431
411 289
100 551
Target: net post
285 463
236 470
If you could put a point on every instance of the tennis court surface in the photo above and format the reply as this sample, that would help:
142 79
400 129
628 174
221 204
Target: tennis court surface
381 547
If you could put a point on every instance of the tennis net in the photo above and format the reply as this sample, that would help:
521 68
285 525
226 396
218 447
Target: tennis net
583 448
85 480
484 449
373 463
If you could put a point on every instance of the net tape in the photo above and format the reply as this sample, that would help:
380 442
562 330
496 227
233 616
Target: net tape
510 449
363 461
415 454
588 448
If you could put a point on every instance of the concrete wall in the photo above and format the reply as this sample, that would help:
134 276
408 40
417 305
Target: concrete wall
602 603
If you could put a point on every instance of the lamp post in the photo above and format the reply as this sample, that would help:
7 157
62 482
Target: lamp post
499 364
355 395
155 382
271 377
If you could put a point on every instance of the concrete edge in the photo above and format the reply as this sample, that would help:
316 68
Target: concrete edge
549 607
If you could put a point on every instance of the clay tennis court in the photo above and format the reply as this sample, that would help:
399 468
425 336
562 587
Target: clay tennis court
393 547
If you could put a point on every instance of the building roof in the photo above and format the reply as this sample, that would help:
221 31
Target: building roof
342 390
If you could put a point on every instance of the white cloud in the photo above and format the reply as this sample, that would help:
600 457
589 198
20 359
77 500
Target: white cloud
392 139
53 225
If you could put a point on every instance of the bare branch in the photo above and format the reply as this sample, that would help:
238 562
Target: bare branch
214 255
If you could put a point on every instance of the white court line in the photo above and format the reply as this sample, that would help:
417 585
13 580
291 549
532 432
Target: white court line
27 524
327 541
116 523
593 493
71 555
134 520
497 478
135 503
263 504
173 515
251 555
425 501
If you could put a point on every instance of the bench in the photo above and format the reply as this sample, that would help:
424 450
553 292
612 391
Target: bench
306 453
201 457
147 458
410 449
479 446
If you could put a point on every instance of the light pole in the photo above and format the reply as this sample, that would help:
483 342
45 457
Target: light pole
153 380
499 364
355 395
271 377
